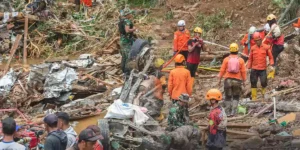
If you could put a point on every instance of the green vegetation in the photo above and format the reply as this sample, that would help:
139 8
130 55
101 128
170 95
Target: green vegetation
169 15
142 3
278 3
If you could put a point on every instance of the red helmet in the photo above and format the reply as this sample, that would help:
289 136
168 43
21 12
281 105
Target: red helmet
256 36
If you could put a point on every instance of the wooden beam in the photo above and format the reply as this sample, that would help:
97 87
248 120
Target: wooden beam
25 40
232 125
13 51
234 132
263 110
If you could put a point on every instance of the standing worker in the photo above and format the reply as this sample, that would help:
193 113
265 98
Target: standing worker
179 79
248 42
258 64
181 38
277 40
126 29
195 46
234 71
217 121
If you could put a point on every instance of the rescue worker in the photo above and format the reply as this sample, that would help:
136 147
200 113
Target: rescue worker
179 113
234 71
277 40
181 38
152 89
126 29
258 64
195 45
248 42
217 121
179 79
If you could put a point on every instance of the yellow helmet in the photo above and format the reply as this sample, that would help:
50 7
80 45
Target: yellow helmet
233 47
271 17
198 30
158 62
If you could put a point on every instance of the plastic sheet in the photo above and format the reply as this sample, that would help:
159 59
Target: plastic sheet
7 82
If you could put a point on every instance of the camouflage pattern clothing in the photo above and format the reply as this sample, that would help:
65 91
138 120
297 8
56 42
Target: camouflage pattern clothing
126 42
178 116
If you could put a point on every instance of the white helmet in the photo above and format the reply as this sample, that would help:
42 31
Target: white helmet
267 27
181 23
252 29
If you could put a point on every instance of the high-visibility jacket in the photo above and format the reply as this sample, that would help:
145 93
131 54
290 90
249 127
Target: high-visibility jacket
257 58
87 2
244 40
242 71
181 39
179 82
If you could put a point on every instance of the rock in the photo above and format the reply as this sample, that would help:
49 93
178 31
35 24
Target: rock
296 143
266 134
236 145
253 143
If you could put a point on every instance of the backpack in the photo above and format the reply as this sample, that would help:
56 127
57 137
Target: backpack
233 65
121 25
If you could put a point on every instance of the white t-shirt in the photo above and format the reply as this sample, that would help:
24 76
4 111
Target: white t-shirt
11 146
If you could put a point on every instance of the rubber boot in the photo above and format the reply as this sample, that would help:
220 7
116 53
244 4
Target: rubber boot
271 75
192 82
263 92
227 107
254 93
234 106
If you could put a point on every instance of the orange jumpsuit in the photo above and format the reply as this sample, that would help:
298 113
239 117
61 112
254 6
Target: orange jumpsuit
179 82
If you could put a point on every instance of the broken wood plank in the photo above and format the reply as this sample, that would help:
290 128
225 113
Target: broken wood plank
240 117
264 109
98 80
234 132
20 16
13 51
195 107
198 114
25 41
232 125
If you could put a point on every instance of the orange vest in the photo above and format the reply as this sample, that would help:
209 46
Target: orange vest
181 39
179 82
257 57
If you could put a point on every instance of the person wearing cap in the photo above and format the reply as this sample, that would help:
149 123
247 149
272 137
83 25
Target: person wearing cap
258 65
9 129
181 38
63 124
126 29
96 130
217 121
179 79
56 139
86 140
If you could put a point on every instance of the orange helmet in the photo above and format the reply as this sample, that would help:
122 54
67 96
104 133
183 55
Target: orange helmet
179 58
256 36
214 94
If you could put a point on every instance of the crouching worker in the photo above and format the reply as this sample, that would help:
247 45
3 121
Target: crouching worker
217 121
258 65
179 113
151 90
234 71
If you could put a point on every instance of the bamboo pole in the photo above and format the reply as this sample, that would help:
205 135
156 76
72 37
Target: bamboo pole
13 51
25 40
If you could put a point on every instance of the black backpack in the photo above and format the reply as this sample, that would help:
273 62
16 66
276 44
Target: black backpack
121 25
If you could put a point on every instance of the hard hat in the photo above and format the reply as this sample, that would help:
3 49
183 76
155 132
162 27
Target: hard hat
267 27
214 94
271 17
158 62
179 58
233 47
181 23
198 30
256 36
252 29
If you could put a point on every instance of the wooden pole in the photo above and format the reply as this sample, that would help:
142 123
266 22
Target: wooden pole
12 52
25 41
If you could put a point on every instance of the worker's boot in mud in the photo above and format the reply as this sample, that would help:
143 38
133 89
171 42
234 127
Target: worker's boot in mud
227 108
234 106
254 94
263 92
271 75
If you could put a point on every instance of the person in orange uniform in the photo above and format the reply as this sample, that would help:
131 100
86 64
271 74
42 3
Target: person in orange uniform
248 42
234 71
181 38
179 79
258 64
217 121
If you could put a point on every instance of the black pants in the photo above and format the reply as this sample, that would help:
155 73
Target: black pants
232 88
262 75
185 53
217 141
244 58
276 50
192 68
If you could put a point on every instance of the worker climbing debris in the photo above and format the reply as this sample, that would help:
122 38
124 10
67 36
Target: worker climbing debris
126 29
248 42
195 45
258 65
277 41
217 121
234 71
181 38
179 114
